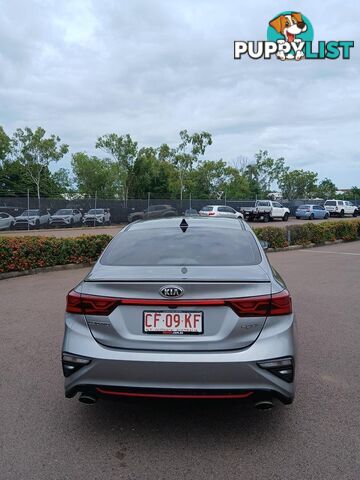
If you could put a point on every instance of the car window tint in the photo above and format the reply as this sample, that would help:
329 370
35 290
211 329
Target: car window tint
170 246
331 203
222 209
207 209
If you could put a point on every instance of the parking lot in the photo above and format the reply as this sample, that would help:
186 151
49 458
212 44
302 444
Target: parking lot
45 436
114 229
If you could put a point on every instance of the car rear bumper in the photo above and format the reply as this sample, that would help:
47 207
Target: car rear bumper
211 373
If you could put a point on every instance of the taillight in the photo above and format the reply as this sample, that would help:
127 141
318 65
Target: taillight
90 304
211 213
261 306
281 303
251 307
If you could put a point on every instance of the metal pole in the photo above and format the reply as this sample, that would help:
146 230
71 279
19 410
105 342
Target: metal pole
148 202
28 206
190 202
95 209
225 198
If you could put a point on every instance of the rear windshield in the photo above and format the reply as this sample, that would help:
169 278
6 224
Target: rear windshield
197 246
64 211
207 209
330 202
98 211
304 207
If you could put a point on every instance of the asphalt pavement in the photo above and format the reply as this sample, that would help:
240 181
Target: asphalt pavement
45 436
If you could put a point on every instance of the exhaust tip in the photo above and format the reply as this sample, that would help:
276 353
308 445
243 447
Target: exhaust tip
264 405
88 399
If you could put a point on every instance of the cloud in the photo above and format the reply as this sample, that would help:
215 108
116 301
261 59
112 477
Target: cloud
85 68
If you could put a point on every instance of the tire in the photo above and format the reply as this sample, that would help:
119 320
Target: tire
71 224
297 218
285 217
37 224
266 218
311 217
11 226
341 214
326 216
356 213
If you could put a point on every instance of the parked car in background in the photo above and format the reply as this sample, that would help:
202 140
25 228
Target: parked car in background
32 218
66 217
340 208
220 211
6 221
190 212
154 211
311 212
98 216
137 326
266 210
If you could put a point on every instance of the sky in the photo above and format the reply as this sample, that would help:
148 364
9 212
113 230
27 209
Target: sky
84 68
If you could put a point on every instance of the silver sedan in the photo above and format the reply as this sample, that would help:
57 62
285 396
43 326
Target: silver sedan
181 308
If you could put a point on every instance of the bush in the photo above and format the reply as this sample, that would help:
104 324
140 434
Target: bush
25 253
317 233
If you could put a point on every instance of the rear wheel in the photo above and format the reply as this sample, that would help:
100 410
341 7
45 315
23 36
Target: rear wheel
298 218
266 218
326 216
37 224
356 213
311 217
285 217
342 213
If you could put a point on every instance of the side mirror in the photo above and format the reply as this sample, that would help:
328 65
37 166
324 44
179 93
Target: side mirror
264 244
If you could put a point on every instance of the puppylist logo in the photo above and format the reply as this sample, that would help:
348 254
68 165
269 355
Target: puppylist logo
290 37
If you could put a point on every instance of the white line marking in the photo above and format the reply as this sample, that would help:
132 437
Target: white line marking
329 251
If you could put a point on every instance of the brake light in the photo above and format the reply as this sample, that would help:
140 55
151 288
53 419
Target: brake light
261 306
211 213
281 303
90 304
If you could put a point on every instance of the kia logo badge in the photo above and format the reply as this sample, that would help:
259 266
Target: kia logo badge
171 291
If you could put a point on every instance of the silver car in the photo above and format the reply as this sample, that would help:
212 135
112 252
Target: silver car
6 221
181 308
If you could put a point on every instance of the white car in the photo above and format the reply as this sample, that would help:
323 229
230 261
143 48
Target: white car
66 217
219 211
6 221
33 218
341 208
98 216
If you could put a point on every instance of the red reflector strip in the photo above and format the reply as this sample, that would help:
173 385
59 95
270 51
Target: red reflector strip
170 395
261 306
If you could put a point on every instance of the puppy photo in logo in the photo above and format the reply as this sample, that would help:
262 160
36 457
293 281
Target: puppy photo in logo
289 26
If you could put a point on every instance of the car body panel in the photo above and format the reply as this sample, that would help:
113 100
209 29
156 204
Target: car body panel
32 218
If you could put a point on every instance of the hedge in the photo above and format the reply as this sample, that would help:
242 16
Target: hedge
318 233
25 253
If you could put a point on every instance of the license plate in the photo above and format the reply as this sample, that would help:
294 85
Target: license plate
173 323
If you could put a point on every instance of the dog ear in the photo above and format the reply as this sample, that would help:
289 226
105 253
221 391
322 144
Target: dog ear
278 23
297 16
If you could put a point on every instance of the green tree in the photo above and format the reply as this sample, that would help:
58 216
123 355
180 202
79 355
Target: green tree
326 189
188 153
5 145
63 181
95 175
151 175
298 184
264 172
216 179
123 149
35 152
